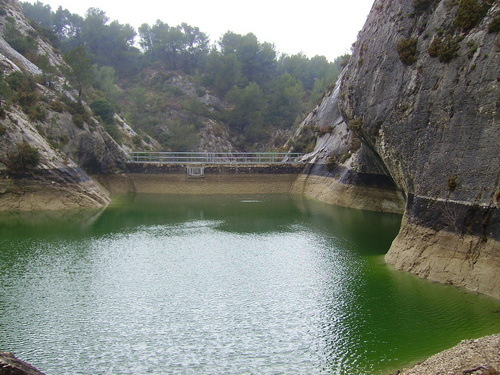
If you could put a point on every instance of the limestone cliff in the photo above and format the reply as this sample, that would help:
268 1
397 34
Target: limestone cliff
421 92
341 170
37 114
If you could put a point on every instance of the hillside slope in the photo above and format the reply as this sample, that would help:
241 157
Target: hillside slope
44 150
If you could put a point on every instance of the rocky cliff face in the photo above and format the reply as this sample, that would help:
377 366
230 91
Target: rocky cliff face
37 115
421 92
342 170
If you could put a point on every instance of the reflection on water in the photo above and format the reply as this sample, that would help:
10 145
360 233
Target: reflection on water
158 284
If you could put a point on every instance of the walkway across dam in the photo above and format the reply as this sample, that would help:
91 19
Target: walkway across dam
215 157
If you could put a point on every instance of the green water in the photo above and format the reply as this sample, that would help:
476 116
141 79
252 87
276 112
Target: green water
221 285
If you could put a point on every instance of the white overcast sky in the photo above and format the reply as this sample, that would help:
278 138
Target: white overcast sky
314 27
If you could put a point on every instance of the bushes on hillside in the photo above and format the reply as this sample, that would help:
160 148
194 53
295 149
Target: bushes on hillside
407 50
24 159
470 13
445 49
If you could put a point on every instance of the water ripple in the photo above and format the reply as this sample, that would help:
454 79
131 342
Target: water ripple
191 296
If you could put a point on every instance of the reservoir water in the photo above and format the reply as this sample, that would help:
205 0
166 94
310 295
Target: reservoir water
221 285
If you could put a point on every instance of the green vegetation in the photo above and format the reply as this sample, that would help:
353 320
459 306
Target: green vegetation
494 25
103 109
24 44
470 13
356 124
407 50
421 6
267 92
24 159
445 49
20 88
305 142
452 183
331 162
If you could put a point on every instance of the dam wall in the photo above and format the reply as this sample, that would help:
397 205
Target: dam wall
159 178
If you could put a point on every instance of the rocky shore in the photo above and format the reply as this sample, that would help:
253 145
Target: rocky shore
479 357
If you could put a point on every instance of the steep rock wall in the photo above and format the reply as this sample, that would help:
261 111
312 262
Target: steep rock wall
341 170
430 114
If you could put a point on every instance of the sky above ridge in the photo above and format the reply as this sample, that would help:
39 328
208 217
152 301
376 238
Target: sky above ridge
314 27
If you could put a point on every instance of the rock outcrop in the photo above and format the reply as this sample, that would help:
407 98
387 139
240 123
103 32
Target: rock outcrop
421 93
37 113
11 365
341 170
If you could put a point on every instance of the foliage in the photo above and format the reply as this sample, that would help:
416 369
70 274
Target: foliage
17 40
181 136
266 91
105 81
356 124
407 50
331 162
248 104
79 114
102 108
178 47
452 183
24 91
113 131
36 113
81 73
78 120
24 159
470 13
305 141
285 102
445 49
494 25
56 106
421 6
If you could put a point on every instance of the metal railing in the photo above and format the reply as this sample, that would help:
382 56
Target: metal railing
215 157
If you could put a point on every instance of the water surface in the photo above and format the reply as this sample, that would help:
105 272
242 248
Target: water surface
220 285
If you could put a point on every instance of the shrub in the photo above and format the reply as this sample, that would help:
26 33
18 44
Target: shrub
21 43
36 113
356 124
452 183
331 162
77 108
305 142
472 50
421 6
114 132
470 13
407 50
325 129
102 108
78 120
25 159
446 50
344 157
494 25
137 140
56 106
2 130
